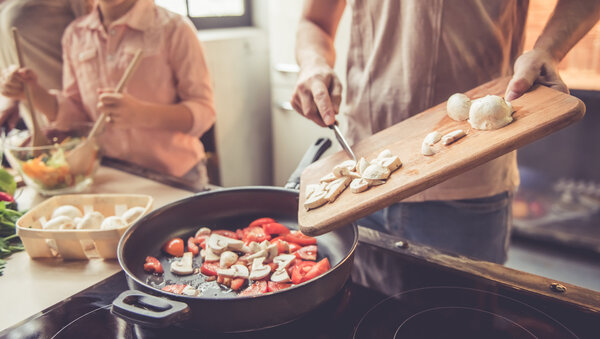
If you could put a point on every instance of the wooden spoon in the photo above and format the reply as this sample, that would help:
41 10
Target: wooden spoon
78 158
38 138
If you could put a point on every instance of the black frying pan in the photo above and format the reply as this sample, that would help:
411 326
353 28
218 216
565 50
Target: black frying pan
219 310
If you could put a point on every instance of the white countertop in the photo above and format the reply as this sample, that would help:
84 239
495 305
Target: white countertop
30 286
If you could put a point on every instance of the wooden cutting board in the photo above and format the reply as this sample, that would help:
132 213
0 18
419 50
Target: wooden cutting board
539 113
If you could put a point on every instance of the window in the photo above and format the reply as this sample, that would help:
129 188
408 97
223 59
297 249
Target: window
207 14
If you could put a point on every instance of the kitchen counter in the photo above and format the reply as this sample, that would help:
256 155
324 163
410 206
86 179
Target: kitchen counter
30 286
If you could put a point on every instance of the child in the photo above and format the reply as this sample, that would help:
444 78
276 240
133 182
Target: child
167 104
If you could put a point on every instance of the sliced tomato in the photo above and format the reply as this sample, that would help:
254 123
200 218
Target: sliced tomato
239 233
300 270
298 238
258 287
209 268
273 266
255 234
152 265
275 286
226 233
237 283
307 253
192 246
282 245
318 269
293 247
174 247
176 288
260 221
275 228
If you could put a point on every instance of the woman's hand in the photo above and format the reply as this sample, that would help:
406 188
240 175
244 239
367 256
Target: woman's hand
122 110
318 94
12 83
535 66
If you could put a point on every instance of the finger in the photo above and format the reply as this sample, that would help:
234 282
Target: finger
321 98
309 109
521 81
336 94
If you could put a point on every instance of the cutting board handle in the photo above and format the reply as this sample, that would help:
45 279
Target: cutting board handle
313 153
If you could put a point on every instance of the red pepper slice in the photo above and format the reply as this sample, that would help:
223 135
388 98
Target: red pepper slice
275 228
226 233
176 288
260 221
255 234
209 268
275 286
152 265
307 253
258 287
192 246
318 269
298 238
300 270
174 247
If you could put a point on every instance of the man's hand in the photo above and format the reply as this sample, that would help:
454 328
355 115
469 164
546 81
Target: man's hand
535 66
12 84
318 94
124 110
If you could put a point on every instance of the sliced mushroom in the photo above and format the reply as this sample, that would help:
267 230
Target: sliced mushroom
259 254
315 200
68 211
328 178
209 255
219 243
392 163
241 271
335 188
354 175
426 149
432 138
284 260
312 188
264 244
280 276
203 231
189 290
359 185
376 172
227 259
184 265
226 272
259 270
342 169
362 165
375 182
254 247
133 214
453 136
271 252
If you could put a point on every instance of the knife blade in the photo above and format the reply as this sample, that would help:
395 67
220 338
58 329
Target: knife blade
340 138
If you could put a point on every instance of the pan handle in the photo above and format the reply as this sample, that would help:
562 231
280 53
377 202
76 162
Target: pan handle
147 310
313 154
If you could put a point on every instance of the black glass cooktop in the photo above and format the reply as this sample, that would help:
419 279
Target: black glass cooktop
389 296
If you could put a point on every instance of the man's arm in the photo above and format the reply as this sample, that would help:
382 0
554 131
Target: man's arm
318 91
569 22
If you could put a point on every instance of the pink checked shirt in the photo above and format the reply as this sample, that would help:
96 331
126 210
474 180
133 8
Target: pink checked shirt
172 70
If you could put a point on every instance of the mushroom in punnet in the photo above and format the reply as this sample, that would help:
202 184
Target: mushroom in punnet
112 222
228 258
133 213
219 243
259 270
92 220
184 265
67 211
60 222
202 231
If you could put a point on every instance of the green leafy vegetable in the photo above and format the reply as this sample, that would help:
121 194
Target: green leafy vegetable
9 241
7 182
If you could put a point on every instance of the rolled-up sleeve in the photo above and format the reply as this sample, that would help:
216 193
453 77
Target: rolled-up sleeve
192 78
70 106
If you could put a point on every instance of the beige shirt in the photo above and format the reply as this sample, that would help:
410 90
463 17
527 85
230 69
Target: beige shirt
408 55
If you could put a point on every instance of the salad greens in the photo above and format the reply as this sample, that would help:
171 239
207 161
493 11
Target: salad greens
9 241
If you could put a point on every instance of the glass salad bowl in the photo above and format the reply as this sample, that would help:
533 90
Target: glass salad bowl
68 165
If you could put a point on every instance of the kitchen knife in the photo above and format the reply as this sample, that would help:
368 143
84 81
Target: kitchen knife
340 138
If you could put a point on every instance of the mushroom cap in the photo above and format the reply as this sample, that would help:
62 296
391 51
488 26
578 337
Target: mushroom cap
458 106
112 222
133 213
67 211
60 222
489 112
92 220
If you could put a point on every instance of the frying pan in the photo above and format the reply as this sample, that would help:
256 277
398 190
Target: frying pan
219 310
